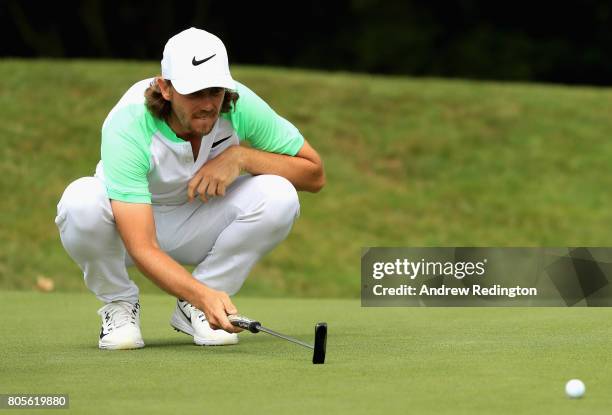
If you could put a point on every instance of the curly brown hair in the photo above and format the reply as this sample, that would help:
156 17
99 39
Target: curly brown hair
161 108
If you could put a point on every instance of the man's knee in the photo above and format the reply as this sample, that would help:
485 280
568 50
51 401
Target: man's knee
85 205
281 205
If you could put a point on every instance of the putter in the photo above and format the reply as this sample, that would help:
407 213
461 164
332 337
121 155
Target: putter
318 356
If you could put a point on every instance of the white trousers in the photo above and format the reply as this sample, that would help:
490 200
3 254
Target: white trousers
224 237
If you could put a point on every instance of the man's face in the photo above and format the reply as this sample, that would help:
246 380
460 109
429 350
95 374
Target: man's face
195 113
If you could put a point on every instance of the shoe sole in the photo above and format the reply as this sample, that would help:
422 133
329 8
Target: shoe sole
185 328
129 345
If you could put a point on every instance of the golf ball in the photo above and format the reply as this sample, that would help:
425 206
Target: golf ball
574 388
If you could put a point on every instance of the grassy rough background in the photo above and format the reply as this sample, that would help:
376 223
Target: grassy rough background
410 162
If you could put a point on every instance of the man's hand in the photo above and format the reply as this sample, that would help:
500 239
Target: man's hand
215 175
216 306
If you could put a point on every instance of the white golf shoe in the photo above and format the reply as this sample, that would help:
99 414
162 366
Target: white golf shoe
189 320
120 326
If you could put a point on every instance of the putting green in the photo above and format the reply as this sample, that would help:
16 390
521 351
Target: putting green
384 360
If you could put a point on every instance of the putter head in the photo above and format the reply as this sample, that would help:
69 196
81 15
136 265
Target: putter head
320 343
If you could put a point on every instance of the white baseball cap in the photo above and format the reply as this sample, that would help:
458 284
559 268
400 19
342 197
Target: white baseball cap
195 59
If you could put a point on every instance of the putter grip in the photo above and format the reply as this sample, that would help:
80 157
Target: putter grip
244 323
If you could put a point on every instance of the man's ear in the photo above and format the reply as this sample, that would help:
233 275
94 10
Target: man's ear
165 88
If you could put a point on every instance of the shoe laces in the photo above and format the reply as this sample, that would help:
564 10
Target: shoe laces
199 314
119 313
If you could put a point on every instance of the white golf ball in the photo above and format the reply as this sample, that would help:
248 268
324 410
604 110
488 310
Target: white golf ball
574 388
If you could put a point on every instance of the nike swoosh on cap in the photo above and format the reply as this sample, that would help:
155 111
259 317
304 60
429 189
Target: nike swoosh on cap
195 62
216 143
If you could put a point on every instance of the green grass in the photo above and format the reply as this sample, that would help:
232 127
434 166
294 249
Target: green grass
391 360
410 162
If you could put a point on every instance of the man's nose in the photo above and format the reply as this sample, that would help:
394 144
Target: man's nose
206 102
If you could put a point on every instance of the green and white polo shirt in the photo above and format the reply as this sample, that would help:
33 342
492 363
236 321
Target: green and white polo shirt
143 161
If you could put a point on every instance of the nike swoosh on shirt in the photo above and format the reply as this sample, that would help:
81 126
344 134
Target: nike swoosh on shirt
195 62
216 143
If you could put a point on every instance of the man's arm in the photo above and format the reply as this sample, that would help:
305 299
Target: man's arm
304 170
136 226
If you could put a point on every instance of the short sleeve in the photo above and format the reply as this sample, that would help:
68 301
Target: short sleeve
258 124
125 158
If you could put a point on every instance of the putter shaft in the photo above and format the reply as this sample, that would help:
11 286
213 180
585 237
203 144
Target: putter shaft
255 326
282 336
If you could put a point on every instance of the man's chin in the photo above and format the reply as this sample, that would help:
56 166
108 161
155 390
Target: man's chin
200 129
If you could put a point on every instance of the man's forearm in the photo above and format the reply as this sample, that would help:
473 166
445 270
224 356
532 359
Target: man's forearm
303 173
136 225
169 275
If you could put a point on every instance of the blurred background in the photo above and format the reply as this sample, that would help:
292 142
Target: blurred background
466 123
544 41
